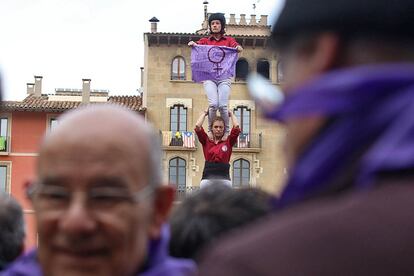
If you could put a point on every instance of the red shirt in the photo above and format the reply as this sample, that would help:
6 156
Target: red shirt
220 152
223 41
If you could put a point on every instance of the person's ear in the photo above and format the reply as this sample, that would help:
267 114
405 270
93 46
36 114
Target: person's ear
325 53
163 200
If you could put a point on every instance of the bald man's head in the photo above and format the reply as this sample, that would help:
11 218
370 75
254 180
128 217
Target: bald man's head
106 132
97 197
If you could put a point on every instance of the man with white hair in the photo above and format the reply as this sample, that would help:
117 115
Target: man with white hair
99 200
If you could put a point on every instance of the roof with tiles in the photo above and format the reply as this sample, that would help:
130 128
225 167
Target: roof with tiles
43 104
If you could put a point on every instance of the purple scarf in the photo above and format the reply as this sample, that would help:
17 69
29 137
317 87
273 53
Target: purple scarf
213 62
158 264
370 129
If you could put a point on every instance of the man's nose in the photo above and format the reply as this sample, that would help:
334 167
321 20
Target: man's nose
78 218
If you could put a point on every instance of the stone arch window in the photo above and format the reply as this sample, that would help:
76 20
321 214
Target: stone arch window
177 174
242 69
178 118
241 173
243 114
263 68
178 68
279 72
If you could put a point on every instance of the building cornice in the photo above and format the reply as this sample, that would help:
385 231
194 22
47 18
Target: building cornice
161 38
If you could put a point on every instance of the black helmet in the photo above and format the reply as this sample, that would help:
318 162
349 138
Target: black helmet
217 16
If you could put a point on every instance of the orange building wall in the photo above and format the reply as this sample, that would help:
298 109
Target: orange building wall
27 130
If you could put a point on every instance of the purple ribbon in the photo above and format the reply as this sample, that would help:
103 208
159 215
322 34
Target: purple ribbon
370 129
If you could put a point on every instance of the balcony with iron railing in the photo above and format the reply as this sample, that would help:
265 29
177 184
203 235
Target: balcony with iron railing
4 145
183 192
179 140
188 141
248 142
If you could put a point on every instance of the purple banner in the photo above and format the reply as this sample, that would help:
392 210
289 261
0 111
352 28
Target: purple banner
213 62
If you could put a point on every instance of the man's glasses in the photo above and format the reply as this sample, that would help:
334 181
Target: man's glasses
264 93
56 197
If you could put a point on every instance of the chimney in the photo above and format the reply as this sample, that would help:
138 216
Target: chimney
252 19
232 19
205 10
154 22
204 25
263 20
38 86
86 91
30 88
142 76
242 19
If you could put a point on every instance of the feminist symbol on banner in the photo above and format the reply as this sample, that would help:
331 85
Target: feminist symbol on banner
216 55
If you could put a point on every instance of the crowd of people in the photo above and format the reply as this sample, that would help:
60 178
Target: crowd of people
346 207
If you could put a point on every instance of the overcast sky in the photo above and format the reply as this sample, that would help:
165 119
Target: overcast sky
67 40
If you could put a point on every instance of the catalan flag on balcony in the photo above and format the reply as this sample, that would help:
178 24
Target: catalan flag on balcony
188 139
243 140
176 139
3 143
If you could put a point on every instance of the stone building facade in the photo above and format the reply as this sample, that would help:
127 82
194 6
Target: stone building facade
173 102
